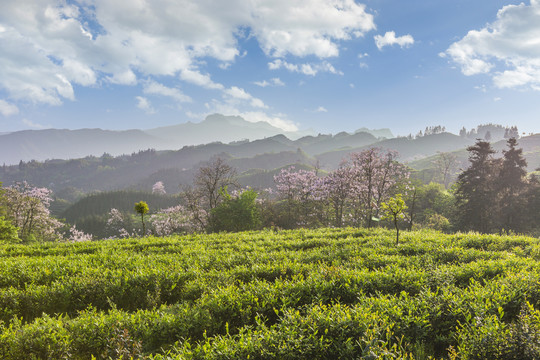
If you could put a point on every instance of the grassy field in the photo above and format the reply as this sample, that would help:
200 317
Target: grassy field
305 294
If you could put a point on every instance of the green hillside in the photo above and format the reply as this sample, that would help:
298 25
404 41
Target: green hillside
321 294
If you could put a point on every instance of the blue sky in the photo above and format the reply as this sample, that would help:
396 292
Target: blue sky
329 66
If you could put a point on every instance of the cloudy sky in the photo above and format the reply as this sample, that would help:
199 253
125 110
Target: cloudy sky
328 65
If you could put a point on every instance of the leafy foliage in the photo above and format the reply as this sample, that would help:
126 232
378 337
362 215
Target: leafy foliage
236 213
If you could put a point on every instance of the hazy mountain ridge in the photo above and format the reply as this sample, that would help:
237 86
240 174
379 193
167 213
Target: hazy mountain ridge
41 145
62 143
47 144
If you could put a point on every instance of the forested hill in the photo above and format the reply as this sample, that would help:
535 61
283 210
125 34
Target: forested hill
256 161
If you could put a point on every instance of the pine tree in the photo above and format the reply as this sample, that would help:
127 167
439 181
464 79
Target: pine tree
475 193
511 185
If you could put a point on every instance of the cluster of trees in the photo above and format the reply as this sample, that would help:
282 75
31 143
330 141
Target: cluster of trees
496 195
431 130
490 131
349 196
352 195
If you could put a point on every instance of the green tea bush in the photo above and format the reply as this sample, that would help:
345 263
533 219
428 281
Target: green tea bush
295 294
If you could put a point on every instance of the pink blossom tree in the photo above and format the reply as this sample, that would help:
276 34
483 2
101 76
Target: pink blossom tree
299 191
27 208
158 188
336 188
375 173
174 220
116 224
78 235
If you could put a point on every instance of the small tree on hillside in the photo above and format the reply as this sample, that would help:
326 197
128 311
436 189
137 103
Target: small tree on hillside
142 208
394 209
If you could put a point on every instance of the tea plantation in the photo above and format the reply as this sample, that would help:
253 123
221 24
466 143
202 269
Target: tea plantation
304 294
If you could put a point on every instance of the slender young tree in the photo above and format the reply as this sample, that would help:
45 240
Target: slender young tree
142 208
394 209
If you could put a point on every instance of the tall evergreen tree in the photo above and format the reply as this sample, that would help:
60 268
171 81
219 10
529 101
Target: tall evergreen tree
475 195
511 186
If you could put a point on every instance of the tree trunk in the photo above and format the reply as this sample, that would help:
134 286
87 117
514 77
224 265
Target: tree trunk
397 230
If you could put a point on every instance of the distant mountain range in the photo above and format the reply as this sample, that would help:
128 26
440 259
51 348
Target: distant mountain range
50 144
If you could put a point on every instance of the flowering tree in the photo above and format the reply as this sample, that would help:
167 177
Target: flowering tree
194 205
116 223
374 175
174 220
27 208
158 188
336 188
78 235
299 189
211 179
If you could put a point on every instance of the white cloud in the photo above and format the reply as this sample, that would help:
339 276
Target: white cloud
236 93
258 103
155 88
79 73
8 109
508 49
34 125
310 27
278 120
306 69
390 39
195 77
127 77
47 45
144 104
272 82
321 109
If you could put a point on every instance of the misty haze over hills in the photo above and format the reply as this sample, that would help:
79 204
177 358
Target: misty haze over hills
42 145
